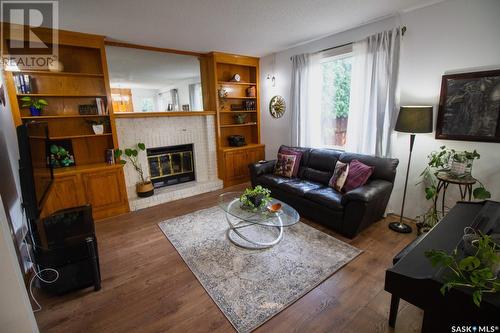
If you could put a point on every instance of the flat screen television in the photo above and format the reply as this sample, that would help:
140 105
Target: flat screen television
35 174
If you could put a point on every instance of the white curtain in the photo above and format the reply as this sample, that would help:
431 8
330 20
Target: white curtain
305 100
373 101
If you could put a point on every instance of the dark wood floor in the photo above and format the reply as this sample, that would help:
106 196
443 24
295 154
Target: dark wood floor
146 287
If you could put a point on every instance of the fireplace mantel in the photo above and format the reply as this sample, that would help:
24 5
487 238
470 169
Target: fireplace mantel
171 131
164 114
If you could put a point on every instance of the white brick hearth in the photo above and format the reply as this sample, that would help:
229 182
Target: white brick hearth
171 131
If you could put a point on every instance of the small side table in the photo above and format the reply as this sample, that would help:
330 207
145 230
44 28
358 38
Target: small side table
464 184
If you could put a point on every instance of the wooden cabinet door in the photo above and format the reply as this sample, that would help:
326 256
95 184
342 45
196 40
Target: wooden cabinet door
234 163
65 192
255 155
105 191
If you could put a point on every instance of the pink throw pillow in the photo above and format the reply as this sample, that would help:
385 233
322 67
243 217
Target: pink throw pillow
358 175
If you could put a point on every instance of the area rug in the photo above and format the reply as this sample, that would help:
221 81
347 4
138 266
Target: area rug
251 286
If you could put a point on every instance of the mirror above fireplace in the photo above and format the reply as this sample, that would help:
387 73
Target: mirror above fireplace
144 80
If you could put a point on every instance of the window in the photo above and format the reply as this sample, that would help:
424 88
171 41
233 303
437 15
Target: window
335 70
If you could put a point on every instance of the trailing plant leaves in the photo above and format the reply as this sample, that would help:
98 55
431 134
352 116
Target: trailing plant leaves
118 153
476 297
134 152
469 263
430 192
128 152
122 162
141 146
439 257
481 193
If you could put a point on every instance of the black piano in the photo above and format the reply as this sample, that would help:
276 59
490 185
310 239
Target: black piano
413 278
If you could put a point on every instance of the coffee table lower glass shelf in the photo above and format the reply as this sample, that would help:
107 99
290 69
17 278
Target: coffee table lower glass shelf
255 229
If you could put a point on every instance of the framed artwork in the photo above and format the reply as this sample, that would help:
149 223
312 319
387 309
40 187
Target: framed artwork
469 107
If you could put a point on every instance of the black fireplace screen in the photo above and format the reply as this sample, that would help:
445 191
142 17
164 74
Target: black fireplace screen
171 165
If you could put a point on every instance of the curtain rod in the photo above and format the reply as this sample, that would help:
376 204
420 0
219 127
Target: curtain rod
403 30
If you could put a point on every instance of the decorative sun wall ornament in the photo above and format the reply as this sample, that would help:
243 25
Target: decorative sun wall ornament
277 106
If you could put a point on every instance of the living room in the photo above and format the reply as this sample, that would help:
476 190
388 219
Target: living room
250 166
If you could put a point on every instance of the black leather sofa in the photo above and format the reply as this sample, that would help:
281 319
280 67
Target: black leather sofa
310 195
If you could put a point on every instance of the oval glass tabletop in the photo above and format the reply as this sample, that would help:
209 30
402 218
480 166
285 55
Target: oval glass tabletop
230 203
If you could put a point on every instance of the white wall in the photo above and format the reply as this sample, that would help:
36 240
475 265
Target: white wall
452 36
15 309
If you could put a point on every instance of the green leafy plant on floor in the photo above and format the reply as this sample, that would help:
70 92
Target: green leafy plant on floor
475 272
132 155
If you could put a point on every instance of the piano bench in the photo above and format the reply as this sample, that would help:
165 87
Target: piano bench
393 313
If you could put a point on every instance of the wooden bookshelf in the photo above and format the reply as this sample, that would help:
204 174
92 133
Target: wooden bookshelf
233 161
83 79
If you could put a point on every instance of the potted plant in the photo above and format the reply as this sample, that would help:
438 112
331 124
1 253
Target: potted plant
60 156
461 162
440 161
35 105
144 187
98 125
477 270
240 118
255 198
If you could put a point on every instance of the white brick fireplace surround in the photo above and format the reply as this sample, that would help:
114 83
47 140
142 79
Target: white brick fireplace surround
170 131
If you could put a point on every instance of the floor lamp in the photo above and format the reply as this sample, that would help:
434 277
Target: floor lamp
411 119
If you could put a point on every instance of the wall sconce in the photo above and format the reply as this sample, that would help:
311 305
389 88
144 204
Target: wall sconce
272 78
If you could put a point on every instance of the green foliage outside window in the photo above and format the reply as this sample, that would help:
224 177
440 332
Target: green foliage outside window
336 87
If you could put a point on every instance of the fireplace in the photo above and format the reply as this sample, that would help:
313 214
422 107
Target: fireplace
171 165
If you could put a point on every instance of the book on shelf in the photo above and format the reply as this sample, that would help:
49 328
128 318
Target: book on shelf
23 83
102 108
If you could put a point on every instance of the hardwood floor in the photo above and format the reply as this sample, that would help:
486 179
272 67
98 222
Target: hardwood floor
146 287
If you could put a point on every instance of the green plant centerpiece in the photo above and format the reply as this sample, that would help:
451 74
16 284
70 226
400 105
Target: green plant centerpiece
255 198
98 124
36 105
477 271
441 161
144 187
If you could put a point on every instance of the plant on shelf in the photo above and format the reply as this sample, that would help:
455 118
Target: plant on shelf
36 105
478 270
144 187
255 198
98 124
441 161
60 157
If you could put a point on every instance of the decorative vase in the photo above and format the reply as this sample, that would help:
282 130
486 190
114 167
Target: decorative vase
461 168
35 112
98 129
240 118
145 190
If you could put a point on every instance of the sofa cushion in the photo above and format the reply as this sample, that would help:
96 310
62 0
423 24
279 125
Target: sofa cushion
299 186
285 164
385 168
326 196
303 159
298 157
339 176
358 175
320 165
272 180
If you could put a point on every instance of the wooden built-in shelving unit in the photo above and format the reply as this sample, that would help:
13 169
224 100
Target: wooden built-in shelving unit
233 161
84 77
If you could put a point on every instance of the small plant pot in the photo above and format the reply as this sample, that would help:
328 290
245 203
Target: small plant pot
98 129
145 190
256 200
459 168
35 112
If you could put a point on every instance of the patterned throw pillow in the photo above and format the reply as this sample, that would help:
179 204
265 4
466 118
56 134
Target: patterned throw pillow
298 154
358 175
284 165
339 176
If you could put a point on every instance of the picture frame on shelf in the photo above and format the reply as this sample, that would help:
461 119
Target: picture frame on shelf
469 107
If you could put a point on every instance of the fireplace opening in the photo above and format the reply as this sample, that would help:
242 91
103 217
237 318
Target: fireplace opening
171 165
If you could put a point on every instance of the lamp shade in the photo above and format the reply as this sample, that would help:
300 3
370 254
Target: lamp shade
414 119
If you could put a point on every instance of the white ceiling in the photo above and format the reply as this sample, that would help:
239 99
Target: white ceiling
252 27
136 68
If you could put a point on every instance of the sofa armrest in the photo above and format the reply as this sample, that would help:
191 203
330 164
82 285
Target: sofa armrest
368 192
258 169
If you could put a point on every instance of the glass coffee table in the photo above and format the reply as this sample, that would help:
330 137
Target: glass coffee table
255 229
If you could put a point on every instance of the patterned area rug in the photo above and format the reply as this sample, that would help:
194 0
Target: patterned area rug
251 286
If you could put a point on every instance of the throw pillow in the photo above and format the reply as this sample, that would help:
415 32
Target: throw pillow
339 176
358 175
298 154
284 165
